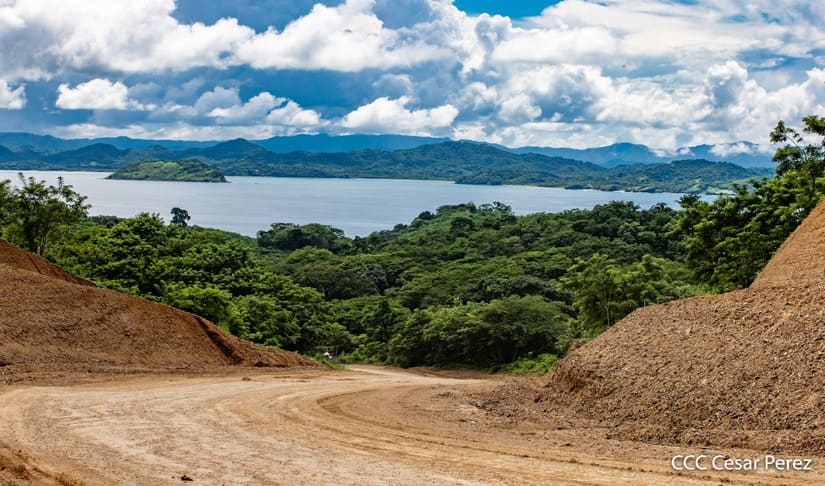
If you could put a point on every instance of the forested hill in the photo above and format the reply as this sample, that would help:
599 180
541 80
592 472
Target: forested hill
161 170
463 162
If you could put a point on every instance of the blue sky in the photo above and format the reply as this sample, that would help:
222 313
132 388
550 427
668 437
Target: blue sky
576 73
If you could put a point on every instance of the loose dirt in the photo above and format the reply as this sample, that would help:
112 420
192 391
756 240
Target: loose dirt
366 425
743 369
52 321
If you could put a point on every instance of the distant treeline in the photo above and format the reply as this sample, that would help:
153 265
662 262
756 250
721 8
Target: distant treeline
463 162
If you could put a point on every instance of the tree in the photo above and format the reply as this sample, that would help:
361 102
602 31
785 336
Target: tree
264 320
180 217
40 212
6 203
807 160
209 302
289 237
604 291
730 240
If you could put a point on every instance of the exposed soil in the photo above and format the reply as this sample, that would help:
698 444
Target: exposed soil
743 369
52 321
20 259
738 375
363 426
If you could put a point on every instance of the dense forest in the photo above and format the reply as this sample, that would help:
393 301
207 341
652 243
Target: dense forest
468 284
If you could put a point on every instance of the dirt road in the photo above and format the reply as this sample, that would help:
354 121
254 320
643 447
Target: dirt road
367 425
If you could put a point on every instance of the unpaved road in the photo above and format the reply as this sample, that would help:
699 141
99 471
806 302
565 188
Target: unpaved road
367 425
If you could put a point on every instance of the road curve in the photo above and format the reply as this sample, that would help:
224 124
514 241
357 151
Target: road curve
367 425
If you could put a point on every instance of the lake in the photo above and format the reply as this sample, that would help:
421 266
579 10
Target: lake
357 206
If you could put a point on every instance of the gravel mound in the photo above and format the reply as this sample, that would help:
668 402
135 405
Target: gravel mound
53 321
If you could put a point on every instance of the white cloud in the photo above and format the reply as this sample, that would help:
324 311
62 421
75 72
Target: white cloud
176 131
657 72
253 110
12 98
725 149
348 37
47 37
594 44
97 94
264 107
386 115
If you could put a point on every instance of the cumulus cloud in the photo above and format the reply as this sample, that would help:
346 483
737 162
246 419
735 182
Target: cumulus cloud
43 38
386 115
48 37
348 37
725 149
584 72
12 98
266 108
560 45
97 94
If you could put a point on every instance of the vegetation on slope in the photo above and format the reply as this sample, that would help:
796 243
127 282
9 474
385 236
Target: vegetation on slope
162 170
471 163
463 162
465 284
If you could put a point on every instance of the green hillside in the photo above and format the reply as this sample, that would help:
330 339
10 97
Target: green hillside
163 170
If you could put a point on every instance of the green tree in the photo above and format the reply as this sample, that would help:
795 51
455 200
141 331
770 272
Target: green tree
264 320
209 302
289 236
6 204
605 291
805 160
180 217
730 240
40 212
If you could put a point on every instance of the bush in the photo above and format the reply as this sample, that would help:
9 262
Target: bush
540 365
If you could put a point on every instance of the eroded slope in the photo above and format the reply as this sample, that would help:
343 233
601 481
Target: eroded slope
51 320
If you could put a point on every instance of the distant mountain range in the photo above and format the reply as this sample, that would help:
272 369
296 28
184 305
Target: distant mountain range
462 162
745 154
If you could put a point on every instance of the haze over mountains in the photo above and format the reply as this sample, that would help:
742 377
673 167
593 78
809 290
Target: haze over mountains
745 154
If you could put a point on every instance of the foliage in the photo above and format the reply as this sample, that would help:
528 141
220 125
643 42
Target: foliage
604 291
289 237
164 170
538 365
35 213
208 272
729 240
480 334
180 217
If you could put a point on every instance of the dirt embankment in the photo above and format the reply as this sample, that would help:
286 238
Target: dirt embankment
745 369
53 321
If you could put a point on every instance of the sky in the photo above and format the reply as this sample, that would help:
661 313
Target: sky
569 73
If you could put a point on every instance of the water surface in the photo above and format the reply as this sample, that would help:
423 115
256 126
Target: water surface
358 206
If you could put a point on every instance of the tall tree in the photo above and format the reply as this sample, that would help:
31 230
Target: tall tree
731 239
41 211
803 159
180 217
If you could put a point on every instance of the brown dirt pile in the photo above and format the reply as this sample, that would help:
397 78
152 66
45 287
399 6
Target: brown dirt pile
17 257
746 368
52 321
